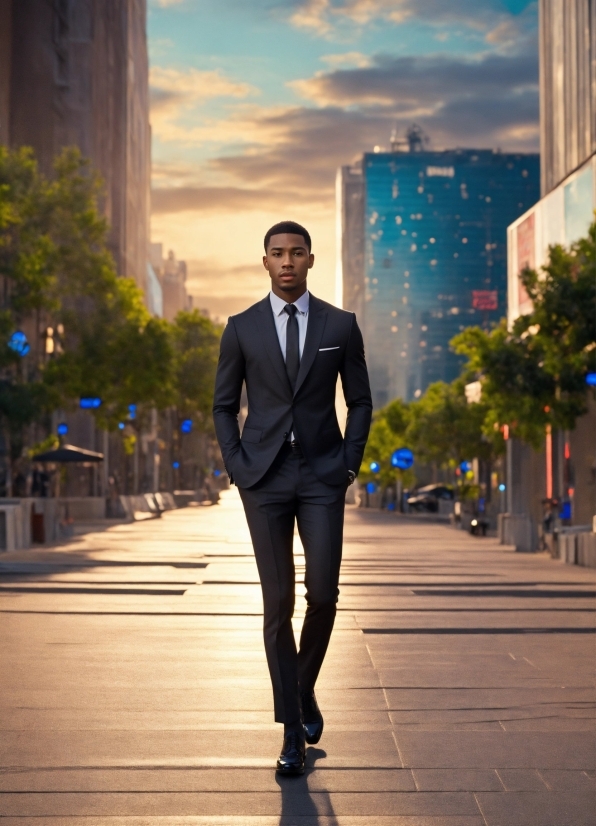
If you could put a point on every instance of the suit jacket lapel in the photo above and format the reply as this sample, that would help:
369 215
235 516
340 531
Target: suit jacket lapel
317 317
269 337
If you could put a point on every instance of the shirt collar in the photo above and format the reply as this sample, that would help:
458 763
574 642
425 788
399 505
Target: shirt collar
278 304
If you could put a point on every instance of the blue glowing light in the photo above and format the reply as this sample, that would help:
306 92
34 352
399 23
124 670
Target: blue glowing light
501 487
121 425
565 512
591 379
90 403
402 458
132 411
175 465
371 487
217 472
18 343
465 467
375 467
186 426
62 429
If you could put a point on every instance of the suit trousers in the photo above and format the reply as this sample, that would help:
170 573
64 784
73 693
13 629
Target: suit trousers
290 493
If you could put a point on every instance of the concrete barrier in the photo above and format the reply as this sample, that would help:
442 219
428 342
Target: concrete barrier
586 549
518 530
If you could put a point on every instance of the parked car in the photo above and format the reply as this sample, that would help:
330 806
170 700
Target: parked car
427 498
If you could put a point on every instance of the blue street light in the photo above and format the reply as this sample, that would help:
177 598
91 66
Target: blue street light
501 487
371 487
591 379
132 411
375 467
186 426
402 458
18 343
90 403
217 472
175 465
62 429
121 425
465 467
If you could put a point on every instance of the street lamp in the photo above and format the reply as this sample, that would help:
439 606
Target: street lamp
402 458
90 403
18 343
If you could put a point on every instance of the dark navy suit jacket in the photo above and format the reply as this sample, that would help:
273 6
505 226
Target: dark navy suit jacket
250 353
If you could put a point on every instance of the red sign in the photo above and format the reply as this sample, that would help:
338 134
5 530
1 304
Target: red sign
485 299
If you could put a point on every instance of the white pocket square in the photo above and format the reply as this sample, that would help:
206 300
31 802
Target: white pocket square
322 349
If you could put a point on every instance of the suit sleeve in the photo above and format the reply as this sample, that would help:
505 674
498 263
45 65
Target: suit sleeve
226 401
356 387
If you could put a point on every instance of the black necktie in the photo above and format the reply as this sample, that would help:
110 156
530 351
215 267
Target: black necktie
292 345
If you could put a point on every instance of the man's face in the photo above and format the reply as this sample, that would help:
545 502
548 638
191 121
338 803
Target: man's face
288 262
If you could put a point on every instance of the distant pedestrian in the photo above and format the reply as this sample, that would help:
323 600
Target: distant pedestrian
291 463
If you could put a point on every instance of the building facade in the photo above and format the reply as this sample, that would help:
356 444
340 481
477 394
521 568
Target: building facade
565 470
567 87
423 255
76 74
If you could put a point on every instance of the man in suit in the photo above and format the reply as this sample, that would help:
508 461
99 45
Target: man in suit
291 463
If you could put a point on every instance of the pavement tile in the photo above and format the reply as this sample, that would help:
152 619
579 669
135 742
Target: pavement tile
538 808
287 801
252 820
457 780
142 708
522 780
478 749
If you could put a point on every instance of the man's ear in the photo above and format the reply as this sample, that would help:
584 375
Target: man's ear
311 261
266 263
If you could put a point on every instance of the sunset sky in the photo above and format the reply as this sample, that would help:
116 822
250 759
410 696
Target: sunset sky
255 103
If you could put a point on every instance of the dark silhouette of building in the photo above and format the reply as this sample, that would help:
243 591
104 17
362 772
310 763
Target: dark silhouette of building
75 73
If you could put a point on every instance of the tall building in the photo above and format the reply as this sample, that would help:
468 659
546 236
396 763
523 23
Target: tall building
172 279
76 74
567 87
566 468
423 253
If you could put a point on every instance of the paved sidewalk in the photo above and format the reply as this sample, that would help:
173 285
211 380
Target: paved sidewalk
458 689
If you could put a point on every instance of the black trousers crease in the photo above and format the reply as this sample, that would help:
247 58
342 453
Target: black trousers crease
290 494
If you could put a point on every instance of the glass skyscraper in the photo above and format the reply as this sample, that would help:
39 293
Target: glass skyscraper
423 252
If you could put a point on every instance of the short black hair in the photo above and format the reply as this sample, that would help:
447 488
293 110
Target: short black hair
290 227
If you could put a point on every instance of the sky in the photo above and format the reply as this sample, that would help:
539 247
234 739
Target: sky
256 103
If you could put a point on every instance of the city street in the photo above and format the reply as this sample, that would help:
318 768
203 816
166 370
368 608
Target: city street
457 691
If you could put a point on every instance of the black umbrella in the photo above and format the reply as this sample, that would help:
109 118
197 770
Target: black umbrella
69 453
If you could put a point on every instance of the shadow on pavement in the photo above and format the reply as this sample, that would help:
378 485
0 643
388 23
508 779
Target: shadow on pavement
298 801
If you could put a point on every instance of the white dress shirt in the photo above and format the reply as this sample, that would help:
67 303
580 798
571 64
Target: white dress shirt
281 324
281 319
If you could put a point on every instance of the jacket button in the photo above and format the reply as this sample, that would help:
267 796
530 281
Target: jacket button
286 435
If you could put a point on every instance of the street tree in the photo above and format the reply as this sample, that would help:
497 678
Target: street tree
534 374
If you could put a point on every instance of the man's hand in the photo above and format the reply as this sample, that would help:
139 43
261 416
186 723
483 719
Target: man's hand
351 477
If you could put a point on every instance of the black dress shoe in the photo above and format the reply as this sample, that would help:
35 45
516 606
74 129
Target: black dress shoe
312 719
291 759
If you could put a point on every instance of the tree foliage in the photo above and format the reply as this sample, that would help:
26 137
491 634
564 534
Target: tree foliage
57 272
195 342
534 374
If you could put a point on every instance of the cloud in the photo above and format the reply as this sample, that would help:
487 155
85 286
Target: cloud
210 199
175 95
294 151
324 17
409 83
347 59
